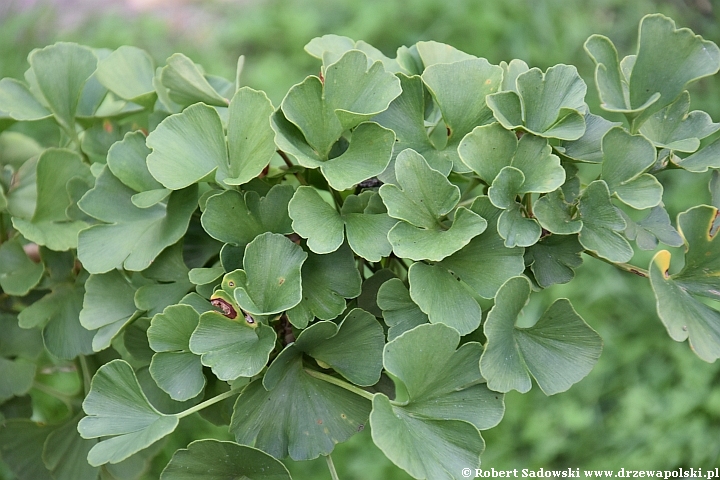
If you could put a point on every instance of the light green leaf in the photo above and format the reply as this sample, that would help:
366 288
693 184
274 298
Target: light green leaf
676 128
353 348
517 229
558 351
57 313
108 306
216 460
555 215
251 142
272 282
625 158
602 224
444 299
554 259
433 431
19 103
50 225
490 148
132 237
498 262
367 155
60 72
187 147
433 53
421 199
398 309
186 84
18 274
127 161
315 219
176 369
128 72
654 227
16 377
640 92
292 413
171 274
117 408
351 93
460 89
327 280
251 214
549 104
684 315
700 161
588 148
367 225
510 73
231 348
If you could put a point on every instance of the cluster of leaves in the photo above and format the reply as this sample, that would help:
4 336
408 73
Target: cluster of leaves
362 253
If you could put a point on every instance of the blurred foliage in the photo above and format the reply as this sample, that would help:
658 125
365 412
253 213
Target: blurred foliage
649 402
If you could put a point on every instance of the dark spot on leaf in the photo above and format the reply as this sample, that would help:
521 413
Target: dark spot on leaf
281 281
684 328
249 319
226 308
343 416
231 283
319 422
361 427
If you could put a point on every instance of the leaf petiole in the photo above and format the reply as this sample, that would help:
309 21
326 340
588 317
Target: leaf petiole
340 383
208 402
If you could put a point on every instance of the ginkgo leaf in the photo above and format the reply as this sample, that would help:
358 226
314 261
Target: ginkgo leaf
117 408
558 351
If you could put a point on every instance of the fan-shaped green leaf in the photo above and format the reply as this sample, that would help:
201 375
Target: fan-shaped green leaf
554 259
353 348
176 369
700 161
60 72
315 219
186 84
57 313
684 315
117 408
251 214
625 158
18 274
516 228
231 348
676 128
19 102
187 147
327 280
351 93
641 92
272 280
108 306
555 215
398 309
132 237
50 224
421 200
292 413
216 460
21 445
654 227
602 224
367 225
558 351
588 148
127 161
434 430
549 104
16 377
443 298
128 72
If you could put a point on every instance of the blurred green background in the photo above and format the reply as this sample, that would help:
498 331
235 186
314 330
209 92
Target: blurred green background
650 403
